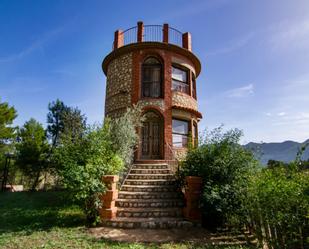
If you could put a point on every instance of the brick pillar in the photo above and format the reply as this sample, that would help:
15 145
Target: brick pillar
193 191
165 33
108 210
118 39
186 41
140 31
168 104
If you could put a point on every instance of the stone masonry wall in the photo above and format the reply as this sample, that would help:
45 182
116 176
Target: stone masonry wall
118 85
184 100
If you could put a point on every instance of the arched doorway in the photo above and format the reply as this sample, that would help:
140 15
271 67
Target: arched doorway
152 136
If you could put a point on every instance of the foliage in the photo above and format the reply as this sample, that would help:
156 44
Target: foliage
7 115
32 150
55 121
225 167
51 220
7 133
271 164
74 123
123 133
82 163
278 205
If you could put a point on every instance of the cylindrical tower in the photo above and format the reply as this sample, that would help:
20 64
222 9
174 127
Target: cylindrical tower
153 66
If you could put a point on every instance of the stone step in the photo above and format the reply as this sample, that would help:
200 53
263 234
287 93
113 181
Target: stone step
152 223
150 166
149 195
149 203
149 188
149 212
150 171
151 176
144 182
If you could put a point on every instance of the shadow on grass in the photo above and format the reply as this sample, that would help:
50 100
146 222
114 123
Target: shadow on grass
37 211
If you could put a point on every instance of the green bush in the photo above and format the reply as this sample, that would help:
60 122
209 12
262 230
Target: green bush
278 205
83 162
123 133
225 167
100 150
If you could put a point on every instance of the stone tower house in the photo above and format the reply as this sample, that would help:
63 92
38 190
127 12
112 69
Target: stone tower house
154 66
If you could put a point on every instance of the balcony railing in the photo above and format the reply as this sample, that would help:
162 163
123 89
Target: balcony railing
180 87
152 33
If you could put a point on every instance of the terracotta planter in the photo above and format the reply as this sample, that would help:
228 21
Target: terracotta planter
193 191
108 214
110 181
108 210
109 195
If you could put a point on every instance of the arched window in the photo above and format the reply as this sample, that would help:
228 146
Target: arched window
151 78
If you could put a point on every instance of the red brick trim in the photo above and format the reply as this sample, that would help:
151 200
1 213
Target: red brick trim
155 46
196 113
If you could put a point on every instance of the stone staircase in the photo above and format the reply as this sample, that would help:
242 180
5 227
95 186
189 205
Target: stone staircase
149 198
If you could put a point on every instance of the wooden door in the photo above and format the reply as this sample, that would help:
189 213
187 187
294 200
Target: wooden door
151 137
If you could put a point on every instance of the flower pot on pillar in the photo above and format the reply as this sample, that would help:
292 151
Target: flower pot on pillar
108 210
193 191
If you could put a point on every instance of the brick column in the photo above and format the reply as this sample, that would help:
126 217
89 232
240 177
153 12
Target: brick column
118 39
165 33
193 191
186 41
168 106
108 210
140 31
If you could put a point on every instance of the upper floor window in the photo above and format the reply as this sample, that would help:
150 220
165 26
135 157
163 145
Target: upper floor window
180 80
180 133
151 78
195 134
193 86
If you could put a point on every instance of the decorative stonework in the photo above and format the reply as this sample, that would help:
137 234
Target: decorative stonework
118 84
184 100
180 153
152 102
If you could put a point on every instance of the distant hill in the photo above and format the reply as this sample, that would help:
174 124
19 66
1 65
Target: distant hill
285 151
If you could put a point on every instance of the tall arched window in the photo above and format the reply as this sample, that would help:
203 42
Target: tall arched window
152 78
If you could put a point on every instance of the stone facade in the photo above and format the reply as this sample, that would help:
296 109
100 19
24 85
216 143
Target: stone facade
184 100
123 68
118 85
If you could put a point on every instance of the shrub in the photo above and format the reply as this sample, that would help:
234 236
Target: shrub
100 150
83 162
278 205
225 167
123 133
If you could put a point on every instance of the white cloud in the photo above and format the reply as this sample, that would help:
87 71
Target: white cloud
233 44
241 92
289 34
281 114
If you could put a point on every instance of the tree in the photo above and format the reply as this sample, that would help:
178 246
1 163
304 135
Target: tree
7 115
55 120
74 123
64 121
32 150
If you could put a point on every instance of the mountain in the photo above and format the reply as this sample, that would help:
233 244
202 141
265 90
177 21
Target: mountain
285 151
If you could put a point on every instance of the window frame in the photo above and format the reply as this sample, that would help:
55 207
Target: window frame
159 65
177 133
187 82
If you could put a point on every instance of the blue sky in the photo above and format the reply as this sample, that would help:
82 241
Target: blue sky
254 54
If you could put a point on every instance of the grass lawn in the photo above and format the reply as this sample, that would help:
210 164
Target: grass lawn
51 220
